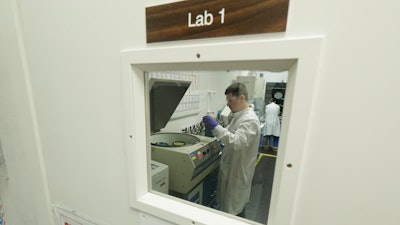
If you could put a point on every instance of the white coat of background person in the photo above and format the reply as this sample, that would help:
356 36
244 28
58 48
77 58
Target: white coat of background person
238 160
272 128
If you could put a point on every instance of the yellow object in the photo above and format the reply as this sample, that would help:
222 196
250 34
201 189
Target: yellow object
264 155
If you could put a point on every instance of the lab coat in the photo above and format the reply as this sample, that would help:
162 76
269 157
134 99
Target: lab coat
238 160
272 123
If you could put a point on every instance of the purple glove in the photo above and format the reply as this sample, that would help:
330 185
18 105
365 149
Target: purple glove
209 122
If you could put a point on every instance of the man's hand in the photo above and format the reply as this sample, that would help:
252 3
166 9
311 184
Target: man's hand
209 122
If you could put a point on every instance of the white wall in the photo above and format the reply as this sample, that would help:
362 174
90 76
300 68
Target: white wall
73 66
275 76
61 122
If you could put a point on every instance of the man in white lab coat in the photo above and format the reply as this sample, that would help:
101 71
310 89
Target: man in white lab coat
272 128
238 160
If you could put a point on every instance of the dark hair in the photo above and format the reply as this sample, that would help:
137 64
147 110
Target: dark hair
237 89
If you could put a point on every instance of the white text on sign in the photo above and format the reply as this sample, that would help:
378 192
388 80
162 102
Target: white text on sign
205 19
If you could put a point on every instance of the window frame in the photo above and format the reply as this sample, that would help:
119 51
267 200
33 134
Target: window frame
300 56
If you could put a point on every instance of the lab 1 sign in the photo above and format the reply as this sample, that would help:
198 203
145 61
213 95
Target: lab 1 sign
205 20
214 18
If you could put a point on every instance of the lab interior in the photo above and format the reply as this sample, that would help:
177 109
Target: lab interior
185 156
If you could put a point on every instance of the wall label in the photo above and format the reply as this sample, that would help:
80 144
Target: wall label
214 18
206 19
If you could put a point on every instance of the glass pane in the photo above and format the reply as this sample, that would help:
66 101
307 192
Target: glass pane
186 157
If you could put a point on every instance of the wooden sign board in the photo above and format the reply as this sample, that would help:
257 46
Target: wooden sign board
214 18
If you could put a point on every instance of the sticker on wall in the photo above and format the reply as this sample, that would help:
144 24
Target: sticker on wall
72 217
2 218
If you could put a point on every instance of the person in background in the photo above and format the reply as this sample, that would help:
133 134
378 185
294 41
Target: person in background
238 160
272 128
